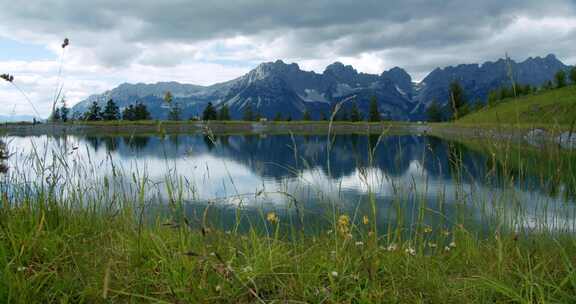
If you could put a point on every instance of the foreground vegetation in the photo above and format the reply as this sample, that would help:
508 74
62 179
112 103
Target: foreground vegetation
58 254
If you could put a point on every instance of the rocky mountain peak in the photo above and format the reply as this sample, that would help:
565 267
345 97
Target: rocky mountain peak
271 69
338 68
397 75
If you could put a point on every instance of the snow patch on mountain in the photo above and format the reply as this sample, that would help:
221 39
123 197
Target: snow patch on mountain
312 95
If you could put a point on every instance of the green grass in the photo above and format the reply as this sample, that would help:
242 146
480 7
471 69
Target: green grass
553 108
72 255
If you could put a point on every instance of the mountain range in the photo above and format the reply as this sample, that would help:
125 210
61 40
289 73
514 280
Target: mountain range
278 88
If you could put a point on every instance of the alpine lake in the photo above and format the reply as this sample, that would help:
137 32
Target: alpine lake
400 181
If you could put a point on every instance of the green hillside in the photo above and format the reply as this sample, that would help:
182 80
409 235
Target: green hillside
555 107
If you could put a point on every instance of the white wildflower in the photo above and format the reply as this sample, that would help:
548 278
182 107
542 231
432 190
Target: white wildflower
247 269
410 251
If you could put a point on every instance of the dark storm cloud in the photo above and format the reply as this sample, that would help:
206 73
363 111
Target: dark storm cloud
346 28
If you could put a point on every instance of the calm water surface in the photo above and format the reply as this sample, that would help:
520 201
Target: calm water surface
303 178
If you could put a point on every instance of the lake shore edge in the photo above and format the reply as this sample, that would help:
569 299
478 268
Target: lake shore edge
532 134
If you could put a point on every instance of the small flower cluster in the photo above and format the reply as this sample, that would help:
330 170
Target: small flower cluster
343 225
450 246
7 77
410 250
272 218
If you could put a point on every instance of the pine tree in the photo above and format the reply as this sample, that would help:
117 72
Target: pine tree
457 100
560 78
355 113
56 115
128 113
374 114
168 97
434 112
111 111
141 112
573 75
175 112
224 113
64 112
209 112
94 113
306 116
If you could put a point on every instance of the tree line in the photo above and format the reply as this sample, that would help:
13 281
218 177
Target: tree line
111 111
139 111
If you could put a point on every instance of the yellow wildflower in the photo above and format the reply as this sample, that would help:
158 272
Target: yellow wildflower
272 218
365 220
344 225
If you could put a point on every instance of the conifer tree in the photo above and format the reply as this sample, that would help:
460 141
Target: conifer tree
355 113
434 112
573 75
111 111
374 114
209 112
94 113
141 112
560 78
457 100
175 112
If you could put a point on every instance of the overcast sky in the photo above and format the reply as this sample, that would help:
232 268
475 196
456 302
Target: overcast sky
204 42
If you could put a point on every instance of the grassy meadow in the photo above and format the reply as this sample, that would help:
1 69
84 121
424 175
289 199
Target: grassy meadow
547 109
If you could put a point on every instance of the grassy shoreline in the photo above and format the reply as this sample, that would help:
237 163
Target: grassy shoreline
215 127
458 129
64 254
